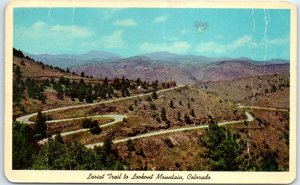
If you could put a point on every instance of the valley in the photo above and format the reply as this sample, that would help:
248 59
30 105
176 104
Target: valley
140 113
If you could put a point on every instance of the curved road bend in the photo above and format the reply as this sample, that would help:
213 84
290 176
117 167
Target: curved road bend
249 119
116 118
25 119
119 118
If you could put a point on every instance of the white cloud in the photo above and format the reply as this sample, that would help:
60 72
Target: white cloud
125 22
41 36
175 47
244 41
184 31
41 29
219 37
278 41
76 31
39 25
242 44
160 19
113 41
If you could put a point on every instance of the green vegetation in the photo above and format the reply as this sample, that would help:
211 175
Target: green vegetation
163 114
24 146
59 156
93 125
35 90
40 126
154 95
223 148
187 119
130 145
18 86
172 104
56 155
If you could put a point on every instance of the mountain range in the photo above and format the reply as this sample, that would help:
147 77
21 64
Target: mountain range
69 60
164 66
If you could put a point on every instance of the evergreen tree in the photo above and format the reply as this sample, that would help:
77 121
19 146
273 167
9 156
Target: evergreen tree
223 149
154 94
130 145
178 116
95 128
40 126
269 162
18 53
172 104
163 114
24 147
193 113
60 92
107 145
89 98
18 86
153 106
149 98
22 63
58 138
130 108
187 119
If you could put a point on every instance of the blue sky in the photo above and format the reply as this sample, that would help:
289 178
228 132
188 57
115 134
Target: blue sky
254 33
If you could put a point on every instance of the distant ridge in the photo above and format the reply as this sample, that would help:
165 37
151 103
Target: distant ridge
164 66
68 60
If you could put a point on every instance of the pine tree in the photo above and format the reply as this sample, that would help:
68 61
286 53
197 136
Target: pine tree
95 128
149 98
22 63
60 92
40 126
154 94
193 113
178 116
187 119
223 148
189 106
172 104
163 114
153 106
130 145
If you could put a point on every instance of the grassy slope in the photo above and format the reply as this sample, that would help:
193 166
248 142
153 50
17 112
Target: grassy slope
242 90
182 154
34 70
141 119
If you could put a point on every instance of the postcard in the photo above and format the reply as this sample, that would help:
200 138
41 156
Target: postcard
150 92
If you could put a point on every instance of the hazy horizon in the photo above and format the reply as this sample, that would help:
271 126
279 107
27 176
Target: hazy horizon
144 54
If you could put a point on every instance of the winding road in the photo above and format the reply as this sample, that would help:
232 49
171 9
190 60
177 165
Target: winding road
249 118
26 119
262 108
116 118
119 118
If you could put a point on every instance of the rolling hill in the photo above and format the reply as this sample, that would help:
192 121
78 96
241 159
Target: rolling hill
186 72
164 66
139 110
138 67
233 69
